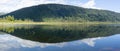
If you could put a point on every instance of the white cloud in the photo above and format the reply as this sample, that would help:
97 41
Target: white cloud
90 4
4 1
91 41
11 5
8 42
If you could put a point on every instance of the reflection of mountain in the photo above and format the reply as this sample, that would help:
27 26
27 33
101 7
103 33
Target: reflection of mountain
9 42
5 43
2 33
54 34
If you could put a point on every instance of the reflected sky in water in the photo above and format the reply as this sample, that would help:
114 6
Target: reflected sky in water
12 43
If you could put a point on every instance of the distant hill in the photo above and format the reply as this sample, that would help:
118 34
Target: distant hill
59 12
1 13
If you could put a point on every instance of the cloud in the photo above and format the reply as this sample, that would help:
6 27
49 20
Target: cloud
11 5
8 5
90 4
4 1
91 41
8 42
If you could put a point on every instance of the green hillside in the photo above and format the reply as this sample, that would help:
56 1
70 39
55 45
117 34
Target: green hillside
64 13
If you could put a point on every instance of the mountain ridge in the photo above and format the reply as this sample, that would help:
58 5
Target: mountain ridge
65 12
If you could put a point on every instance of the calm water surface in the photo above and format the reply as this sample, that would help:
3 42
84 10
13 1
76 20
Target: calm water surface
60 37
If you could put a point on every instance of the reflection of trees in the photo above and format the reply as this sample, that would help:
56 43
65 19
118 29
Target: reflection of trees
11 28
53 34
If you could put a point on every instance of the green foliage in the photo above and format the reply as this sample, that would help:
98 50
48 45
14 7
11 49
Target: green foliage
9 18
65 19
28 20
58 12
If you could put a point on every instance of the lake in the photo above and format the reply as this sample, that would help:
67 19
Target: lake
60 37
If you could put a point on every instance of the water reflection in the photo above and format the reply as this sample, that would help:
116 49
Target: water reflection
11 28
60 33
59 37
10 43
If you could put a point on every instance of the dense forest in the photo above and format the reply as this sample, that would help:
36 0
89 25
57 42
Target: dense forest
12 19
64 13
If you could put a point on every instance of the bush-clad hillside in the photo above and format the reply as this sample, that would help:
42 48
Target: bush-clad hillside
59 12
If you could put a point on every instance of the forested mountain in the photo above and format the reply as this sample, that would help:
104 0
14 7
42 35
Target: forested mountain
59 12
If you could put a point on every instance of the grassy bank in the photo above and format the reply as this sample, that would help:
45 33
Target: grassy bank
58 23
51 21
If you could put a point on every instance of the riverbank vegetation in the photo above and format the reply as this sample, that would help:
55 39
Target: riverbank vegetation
52 20
10 18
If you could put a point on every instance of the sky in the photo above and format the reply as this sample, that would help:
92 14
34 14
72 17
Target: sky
12 5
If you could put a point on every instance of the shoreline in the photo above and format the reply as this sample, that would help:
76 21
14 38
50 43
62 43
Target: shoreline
57 23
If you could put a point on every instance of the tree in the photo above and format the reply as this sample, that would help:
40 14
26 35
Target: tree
9 18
